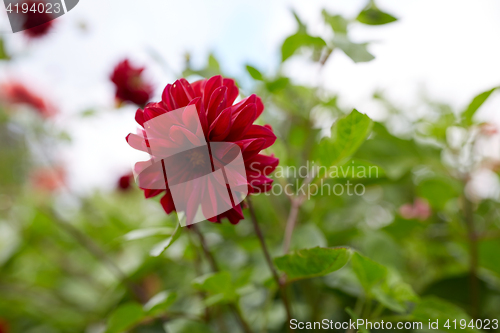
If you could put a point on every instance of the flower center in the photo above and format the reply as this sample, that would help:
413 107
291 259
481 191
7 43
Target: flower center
197 158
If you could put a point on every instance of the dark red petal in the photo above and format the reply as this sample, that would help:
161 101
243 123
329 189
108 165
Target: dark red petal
242 122
257 131
259 184
139 116
234 215
167 99
153 110
201 114
179 94
209 87
260 106
151 193
243 103
198 87
217 104
232 90
167 202
188 88
250 147
262 164
220 126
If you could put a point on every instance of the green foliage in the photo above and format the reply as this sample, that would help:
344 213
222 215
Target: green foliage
434 309
308 263
218 285
301 39
3 51
337 22
347 135
254 73
357 52
162 246
186 326
368 272
476 103
371 15
160 302
124 317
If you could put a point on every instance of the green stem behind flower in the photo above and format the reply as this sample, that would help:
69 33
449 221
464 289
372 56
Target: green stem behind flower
269 261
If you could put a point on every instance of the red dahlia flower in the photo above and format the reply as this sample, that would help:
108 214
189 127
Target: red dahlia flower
17 93
124 182
37 24
205 111
129 84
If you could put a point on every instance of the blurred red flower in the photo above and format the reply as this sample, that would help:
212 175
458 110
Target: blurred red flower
221 121
18 93
125 182
34 26
4 328
420 210
129 84
48 179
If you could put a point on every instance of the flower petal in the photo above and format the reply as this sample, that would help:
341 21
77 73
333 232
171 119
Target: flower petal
241 122
257 131
221 126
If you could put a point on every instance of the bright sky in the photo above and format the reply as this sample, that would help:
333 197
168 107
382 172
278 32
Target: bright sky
450 47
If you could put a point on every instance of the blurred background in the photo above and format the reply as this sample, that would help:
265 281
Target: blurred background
76 233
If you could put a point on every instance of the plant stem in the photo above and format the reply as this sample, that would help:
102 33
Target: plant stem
290 224
269 261
473 250
215 268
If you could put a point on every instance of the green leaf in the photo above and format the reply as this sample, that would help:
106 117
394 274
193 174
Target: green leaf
160 302
357 52
337 22
395 296
278 84
347 134
476 103
126 316
434 308
371 15
369 272
302 27
488 255
295 42
88 113
186 326
3 52
309 263
438 191
219 285
254 73
213 63
162 246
